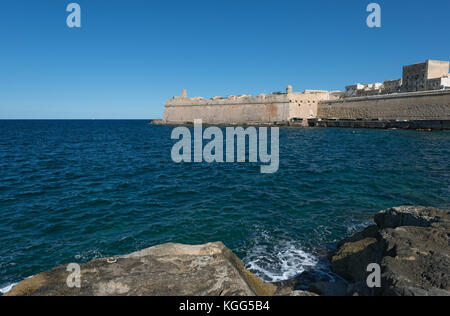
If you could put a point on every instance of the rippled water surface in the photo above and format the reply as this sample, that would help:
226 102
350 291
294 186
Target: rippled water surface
71 191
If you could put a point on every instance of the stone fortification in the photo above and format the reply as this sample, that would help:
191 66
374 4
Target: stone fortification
422 95
424 105
275 108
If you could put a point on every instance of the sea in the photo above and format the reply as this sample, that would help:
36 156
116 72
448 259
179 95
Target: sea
75 190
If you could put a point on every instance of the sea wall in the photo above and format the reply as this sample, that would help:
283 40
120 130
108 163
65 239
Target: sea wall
428 105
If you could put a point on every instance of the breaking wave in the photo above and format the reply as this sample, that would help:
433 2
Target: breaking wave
276 261
8 288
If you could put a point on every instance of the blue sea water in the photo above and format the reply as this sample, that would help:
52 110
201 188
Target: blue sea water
71 191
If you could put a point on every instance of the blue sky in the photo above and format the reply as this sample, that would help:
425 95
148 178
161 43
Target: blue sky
130 56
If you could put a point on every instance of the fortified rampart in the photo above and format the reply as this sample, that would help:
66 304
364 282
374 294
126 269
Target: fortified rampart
275 108
235 110
423 105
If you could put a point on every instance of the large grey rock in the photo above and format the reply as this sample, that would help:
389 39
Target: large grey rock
412 216
351 259
416 261
368 232
411 244
170 269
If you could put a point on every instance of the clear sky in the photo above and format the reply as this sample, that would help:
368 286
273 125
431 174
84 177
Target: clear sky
130 56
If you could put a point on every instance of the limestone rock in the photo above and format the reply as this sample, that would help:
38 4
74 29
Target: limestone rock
411 216
350 261
369 232
170 269
412 246
416 261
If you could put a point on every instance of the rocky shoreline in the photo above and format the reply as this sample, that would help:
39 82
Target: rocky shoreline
410 244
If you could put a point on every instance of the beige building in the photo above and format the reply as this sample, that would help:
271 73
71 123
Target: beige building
430 75
416 77
360 90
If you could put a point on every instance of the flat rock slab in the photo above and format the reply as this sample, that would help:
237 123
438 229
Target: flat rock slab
165 270
418 216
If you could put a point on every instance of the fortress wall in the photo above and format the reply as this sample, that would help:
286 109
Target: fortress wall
228 111
273 108
305 105
429 105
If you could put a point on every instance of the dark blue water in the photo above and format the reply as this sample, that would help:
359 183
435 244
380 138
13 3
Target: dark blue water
71 191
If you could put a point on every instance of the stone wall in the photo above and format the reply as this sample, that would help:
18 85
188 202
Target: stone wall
282 108
427 105
305 105
272 108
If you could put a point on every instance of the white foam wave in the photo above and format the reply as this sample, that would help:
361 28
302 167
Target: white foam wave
8 288
280 262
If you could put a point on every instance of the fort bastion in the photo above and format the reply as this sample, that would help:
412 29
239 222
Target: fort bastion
422 94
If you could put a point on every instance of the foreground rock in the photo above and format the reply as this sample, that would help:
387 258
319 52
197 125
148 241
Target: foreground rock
170 269
411 244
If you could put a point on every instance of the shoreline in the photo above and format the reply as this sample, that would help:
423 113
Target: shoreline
408 243
421 125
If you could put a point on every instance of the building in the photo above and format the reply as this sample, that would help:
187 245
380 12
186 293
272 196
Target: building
416 77
429 75
392 86
353 90
439 83
361 90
